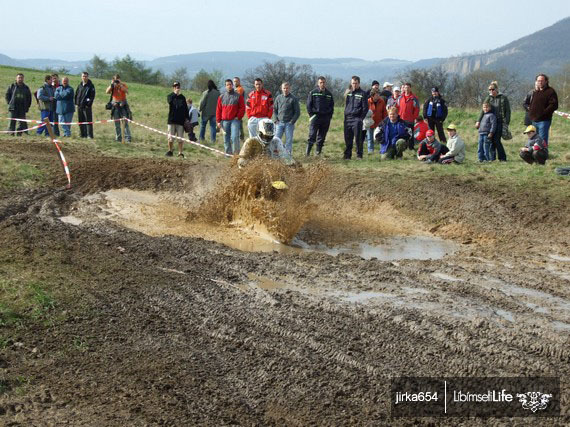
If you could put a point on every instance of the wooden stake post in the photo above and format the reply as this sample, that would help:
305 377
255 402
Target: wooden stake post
49 128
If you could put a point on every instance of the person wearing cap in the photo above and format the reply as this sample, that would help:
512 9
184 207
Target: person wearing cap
393 134
392 102
456 146
408 105
386 93
535 150
435 111
177 114
431 149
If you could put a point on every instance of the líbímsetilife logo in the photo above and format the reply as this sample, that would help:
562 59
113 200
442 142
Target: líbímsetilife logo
534 400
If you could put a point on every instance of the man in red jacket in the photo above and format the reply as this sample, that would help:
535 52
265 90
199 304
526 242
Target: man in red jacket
259 105
408 105
229 112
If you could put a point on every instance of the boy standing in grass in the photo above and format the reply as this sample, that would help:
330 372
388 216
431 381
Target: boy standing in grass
487 128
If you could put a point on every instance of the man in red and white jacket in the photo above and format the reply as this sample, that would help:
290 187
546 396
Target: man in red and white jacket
408 105
259 105
229 112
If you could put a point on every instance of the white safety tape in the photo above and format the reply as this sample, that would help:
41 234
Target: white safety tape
182 139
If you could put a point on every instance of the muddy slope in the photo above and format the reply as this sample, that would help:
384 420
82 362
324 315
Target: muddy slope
182 331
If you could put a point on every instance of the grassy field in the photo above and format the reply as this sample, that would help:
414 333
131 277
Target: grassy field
149 107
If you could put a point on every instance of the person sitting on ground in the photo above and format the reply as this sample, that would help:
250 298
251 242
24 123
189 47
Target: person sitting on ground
420 129
456 146
431 149
536 150
393 134
487 128
264 143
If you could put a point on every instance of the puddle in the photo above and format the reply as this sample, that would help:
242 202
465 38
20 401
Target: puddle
70 219
507 315
561 326
446 277
363 297
160 214
266 283
559 257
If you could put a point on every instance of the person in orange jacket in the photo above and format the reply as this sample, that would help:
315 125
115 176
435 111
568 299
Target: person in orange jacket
420 129
378 108
408 105
259 106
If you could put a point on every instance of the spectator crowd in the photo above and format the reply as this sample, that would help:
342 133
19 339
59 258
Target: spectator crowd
390 119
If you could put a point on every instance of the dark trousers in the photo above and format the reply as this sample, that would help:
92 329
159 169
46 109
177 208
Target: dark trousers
192 135
501 155
85 114
538 156
353 132
21 125
318 129
437 124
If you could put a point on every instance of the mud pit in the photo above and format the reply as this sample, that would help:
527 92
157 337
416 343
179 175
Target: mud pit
160 325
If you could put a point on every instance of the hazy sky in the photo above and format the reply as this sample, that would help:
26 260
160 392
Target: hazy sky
368 29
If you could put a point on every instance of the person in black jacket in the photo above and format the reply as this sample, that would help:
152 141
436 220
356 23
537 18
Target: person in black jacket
320 106
355 110
19 98
84 96
177 114
435 111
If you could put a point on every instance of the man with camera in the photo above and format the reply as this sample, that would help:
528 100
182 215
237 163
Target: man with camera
84 96
119 107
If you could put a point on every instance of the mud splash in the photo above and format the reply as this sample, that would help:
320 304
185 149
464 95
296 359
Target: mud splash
247 195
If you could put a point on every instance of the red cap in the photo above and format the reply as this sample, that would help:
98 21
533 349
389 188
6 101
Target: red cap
429 133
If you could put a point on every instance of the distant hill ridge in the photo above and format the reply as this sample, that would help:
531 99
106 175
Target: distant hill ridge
546 51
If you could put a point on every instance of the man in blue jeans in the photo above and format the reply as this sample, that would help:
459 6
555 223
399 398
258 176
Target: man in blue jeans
286 112
543 103
229 112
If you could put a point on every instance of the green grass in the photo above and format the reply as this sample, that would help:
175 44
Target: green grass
16 174
24 300
149 107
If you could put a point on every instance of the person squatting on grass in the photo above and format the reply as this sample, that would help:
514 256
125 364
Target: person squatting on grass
84 97
19 98
229 112
259 106
487 129
320 107
431 149
64 96
536 149
177 114
394 136
286 112
355 110
456 146
119 91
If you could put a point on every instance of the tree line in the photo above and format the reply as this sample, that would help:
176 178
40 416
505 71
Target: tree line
459 91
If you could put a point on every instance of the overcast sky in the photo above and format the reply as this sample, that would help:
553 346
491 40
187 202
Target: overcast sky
368 29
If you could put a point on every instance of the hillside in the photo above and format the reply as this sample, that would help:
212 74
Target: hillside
546 51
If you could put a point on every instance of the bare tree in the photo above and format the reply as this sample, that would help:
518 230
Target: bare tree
301 77
180 75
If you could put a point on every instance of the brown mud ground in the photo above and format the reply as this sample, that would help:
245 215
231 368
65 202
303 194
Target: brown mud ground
153 329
